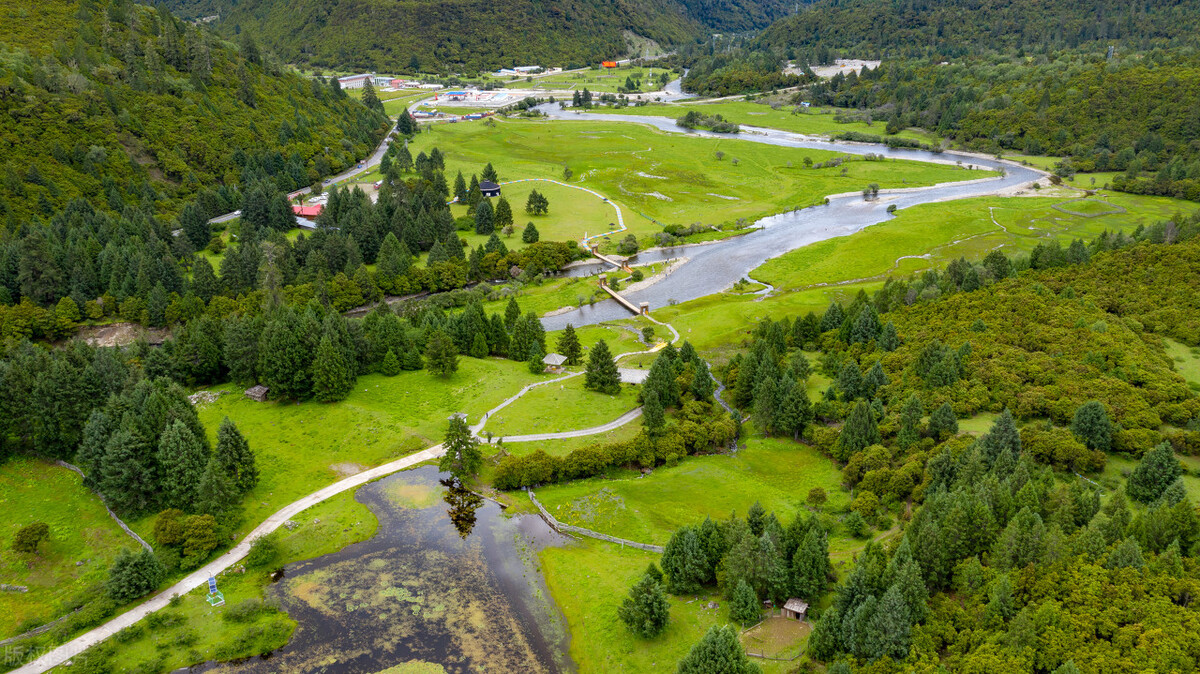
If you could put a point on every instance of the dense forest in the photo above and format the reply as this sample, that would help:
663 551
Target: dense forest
117 147
472 35
454 35
1006 558
120 109
952 29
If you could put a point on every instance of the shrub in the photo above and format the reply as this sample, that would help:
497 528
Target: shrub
263 551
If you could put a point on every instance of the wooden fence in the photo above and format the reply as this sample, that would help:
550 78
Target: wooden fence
561 528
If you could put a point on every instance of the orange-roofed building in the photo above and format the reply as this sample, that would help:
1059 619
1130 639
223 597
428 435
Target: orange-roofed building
609 64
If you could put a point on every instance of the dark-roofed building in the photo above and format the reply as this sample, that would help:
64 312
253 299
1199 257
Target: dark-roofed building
489 189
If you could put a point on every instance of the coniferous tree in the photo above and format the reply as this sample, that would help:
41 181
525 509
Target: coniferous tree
1126 555
943 423
859 432
216 493
235 457
602 372
1092 426
462 456
653 416
646 610
810 565
390 366
910 422
530 233
460 188
489 173
479 346
182 458
503 215
332 376
283 359
889 630
127 474
370 98
441 356
795 411
90 456
1154 473
132 575
718 652
536 358
744 607
683 562
912 588
569 347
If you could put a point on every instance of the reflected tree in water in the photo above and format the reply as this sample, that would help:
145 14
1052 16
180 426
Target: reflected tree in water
463 503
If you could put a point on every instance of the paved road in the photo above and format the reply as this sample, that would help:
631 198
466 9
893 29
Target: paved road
596 430
370 163
198 578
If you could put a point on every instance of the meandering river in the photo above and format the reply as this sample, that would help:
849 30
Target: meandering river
714 267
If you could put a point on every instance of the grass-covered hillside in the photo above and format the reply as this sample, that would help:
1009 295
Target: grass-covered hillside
125 106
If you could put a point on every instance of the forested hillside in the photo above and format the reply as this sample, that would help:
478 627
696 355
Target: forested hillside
954 28
434 35
126 116
122 105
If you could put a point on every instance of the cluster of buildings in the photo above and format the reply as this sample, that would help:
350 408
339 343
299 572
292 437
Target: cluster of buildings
382 82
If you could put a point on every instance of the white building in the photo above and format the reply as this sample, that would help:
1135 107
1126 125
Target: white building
356 81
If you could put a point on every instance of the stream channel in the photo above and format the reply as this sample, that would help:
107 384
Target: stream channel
713 267
420 596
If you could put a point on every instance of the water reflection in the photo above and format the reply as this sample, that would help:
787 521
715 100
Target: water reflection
463 503
448 583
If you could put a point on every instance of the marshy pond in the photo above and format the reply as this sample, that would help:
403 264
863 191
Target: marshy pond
447 584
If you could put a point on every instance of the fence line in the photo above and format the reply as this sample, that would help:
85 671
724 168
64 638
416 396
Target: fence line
112 514
560 527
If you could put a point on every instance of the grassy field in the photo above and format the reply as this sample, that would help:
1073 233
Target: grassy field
589 579
394 102
1186 359
561 406
301 448
669 178
550 295
619 341
573 213
776 473
566 446
191 631
808 121
33 490
942 231
931 235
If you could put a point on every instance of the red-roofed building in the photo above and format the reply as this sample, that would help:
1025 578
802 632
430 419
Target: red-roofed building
310 211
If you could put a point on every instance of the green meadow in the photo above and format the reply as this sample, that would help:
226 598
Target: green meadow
808 121
189 631
774 472
303 447
669 178
588 581
71 563
561 406
572 214
931 235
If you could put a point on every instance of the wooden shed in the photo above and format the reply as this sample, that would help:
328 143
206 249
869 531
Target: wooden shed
795 609
257 392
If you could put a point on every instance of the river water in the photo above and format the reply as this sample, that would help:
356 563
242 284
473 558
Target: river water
422 593
714 267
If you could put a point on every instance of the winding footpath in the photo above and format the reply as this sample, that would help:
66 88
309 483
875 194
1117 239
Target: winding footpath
198 578
730 260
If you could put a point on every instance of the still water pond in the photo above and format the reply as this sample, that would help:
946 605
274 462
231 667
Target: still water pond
420 596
